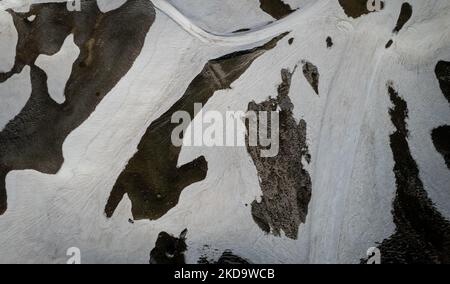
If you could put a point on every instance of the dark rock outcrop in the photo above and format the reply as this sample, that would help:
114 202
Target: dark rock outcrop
285 184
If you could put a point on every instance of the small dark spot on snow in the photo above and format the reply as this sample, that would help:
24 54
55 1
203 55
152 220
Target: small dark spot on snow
276 8
389 43
329 42
169 249
442 72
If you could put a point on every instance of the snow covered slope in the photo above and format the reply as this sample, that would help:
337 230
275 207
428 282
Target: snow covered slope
366 98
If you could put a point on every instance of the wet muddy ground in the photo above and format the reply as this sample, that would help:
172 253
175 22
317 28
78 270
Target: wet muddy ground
109 43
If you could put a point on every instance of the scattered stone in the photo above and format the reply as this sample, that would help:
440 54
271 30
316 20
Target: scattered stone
329 42
312 75
405 15
276 8
442 72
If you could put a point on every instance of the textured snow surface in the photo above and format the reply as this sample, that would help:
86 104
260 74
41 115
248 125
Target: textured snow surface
353 185
8 41
15 93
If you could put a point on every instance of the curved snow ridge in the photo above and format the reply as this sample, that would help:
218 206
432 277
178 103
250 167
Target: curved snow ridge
298 17
245 38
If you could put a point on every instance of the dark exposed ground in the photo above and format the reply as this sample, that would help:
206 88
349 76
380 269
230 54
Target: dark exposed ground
285 184
441 140
441 135
442 72
403 18
109 43
227 258
405 15
355 8
311 73
329 42
389 44
422 233
276 8
151 179
169 249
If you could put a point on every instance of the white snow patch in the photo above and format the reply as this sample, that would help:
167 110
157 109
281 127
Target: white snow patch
31 18
58 68
14 94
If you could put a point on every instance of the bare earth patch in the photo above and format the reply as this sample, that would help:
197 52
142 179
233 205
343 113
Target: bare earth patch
285 184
